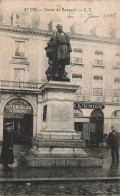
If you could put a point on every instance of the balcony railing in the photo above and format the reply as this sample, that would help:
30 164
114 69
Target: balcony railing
98 63
116 65
4 84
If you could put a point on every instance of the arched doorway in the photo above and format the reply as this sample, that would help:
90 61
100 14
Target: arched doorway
96 127
115 120
20 113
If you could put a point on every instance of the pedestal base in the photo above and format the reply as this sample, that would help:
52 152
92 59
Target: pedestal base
33 161
59 153
58 144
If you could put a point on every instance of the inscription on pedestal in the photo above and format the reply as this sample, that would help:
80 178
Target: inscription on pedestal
60 113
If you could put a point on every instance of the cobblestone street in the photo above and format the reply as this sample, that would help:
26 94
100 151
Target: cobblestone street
23 180
60 188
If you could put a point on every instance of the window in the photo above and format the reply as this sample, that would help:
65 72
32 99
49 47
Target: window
77 113
116 119
77 56
77 79
20 48
98 62
117 60
97 86
99 52
77 60
44 113
19 74
98 57
117 54
116 113
77 50
116 86
117 63
21 19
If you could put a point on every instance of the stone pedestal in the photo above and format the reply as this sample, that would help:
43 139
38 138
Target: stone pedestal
58 144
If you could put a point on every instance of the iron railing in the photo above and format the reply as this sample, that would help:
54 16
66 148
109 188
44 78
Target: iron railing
5 84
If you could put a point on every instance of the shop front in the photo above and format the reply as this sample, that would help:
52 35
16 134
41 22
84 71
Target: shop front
20 113
96 127
89 122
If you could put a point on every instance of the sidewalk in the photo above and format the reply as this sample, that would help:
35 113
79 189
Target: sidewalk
21 172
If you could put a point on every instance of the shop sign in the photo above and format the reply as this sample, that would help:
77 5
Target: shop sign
14 115
97 99
18 106
88 106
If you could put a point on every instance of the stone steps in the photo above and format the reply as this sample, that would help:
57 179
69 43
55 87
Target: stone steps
59 152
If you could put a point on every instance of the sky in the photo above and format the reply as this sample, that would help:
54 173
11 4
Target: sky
88 12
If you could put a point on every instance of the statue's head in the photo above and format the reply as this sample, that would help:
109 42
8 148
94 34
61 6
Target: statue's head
59 28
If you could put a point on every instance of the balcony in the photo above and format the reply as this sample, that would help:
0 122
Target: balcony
19 60
98 63
77 61
17 85
116 65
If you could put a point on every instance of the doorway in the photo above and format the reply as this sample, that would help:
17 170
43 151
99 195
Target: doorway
96 127
20 113
79 128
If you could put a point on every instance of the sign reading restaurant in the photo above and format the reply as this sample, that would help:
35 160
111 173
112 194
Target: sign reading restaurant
88 106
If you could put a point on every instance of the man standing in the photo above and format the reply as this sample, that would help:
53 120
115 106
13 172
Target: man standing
113 141
7 156
58 52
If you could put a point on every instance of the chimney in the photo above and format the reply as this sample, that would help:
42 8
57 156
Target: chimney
98 30
115 33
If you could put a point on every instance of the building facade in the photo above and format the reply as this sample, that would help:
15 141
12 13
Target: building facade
95 67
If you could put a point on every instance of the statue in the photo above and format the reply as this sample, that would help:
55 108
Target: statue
58 52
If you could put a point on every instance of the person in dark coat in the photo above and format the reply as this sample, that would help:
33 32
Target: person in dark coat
7 156
114 141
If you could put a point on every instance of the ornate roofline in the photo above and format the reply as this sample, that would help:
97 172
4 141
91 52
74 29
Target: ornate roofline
82 37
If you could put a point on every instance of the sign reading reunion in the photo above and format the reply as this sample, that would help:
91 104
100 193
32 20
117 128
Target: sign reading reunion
89 106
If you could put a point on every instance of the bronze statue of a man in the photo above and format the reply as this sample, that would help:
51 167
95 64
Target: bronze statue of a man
58 51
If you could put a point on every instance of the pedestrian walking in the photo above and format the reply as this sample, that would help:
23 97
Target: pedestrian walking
114 141
7 156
